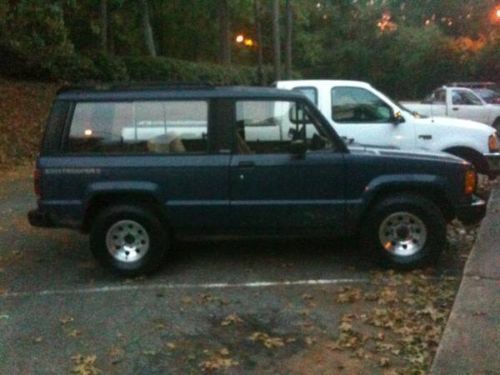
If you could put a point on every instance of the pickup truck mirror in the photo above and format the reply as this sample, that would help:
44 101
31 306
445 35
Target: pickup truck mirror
397 118
298 148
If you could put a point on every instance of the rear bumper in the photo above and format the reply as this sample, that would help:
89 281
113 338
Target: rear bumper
473 212
40 219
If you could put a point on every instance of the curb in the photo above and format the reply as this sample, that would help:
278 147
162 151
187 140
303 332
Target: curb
470 342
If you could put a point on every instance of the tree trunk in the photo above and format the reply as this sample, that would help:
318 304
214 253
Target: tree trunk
224 33
258 33
288 42
103 20
276 40
147 29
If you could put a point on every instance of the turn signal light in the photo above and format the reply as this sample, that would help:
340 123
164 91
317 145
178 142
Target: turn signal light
470 181
492 143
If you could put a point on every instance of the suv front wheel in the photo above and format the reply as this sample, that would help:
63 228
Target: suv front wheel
130 240
405 231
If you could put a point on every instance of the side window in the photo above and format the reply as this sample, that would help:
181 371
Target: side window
310 92
440 96
268 127
460 97
357 105
139 127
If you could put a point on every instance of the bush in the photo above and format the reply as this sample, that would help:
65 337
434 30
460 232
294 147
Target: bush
172 70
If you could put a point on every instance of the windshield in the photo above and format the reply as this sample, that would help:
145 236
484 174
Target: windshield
403 108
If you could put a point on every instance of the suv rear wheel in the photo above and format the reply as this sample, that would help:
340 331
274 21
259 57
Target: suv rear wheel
130 240
405 231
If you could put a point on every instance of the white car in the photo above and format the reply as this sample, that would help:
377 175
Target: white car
458 102
365 116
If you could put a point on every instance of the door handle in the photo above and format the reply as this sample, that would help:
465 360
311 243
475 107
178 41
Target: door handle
455 108
246 164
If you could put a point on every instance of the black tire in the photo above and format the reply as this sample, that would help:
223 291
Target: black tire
496 125
475 158
145 228
416 207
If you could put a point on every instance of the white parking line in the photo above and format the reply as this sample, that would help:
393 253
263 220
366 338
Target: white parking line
127 288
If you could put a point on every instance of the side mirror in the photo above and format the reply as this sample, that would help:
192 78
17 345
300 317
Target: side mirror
397 118
298 148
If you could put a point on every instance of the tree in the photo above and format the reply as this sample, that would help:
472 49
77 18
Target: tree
147 29
103 18
276 40
288 39
224 32
258 34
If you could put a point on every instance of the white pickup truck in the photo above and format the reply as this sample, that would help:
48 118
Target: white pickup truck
365 116
459 102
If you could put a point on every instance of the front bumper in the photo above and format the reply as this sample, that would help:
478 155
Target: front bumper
473 212
493 160
40 219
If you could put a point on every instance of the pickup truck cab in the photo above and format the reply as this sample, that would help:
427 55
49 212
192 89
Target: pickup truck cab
458 102
363 115
139 168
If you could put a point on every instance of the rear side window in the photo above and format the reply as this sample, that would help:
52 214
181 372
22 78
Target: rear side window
139 127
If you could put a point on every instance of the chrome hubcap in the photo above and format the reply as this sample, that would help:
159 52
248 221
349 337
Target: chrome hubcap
127 241
402 233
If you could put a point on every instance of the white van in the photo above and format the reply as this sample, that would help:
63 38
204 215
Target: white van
365 116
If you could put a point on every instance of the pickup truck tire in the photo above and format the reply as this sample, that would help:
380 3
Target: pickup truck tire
496 125
472 156
404 231
130 240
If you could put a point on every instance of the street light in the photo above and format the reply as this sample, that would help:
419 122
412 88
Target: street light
243 40
495 15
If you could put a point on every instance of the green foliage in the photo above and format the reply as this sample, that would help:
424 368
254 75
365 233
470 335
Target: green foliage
172 70
427 46
487 61
35 31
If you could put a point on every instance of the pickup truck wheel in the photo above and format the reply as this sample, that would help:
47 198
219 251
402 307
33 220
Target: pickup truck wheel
496 125
405 231
129 240
473 157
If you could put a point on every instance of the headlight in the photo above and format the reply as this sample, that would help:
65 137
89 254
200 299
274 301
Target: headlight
470 181
492 142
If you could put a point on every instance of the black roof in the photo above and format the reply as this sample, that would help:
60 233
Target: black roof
173 92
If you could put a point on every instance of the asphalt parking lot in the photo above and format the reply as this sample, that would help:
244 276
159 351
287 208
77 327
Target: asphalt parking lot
257 306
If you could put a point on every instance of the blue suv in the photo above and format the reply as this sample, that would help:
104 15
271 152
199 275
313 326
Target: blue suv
138 167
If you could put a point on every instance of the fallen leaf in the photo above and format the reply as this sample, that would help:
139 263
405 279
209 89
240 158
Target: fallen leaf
266 340
65 320
309 340
75 333
84 365
217 363
384 362
231 319
171 345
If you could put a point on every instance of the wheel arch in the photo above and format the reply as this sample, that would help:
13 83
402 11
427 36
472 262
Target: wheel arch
471 155
433 193
100 201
